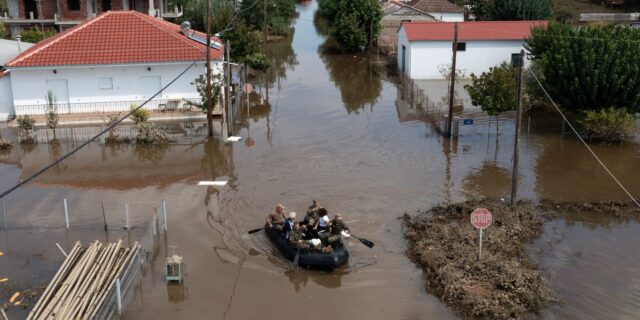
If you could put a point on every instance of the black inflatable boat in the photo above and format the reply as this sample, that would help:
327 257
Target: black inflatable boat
309 259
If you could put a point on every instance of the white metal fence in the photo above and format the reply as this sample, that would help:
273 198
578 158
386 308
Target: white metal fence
106 107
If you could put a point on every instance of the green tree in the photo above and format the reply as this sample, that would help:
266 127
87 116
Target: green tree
590 67
280 13
3 31
34 35
494 91
201 87
521 9
611 125
355 23
244 40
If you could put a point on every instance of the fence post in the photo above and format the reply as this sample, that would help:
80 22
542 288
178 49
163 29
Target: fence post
126 216
66 213
4 214
164 213
118 297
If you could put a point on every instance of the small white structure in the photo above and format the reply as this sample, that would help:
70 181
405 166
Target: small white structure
441 10
424 48
9 49
105 65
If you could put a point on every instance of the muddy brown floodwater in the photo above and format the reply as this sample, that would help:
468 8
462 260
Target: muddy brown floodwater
335 129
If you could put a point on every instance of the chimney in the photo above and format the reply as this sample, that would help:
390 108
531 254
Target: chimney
185 27
18 38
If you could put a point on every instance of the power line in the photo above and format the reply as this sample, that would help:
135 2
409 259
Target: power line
113 125
583 142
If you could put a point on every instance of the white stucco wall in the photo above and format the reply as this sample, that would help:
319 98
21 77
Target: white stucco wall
30 84
448 17
424 57
6 98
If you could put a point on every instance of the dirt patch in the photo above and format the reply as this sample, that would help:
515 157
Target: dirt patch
506 283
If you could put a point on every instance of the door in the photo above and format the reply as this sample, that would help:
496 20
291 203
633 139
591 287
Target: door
60 90
149 85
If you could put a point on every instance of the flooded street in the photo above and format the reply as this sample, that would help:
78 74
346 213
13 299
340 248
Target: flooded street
334 130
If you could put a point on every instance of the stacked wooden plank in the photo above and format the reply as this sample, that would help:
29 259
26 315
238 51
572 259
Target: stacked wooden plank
83 281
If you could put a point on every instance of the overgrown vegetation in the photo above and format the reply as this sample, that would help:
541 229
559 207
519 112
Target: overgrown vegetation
34 35
510 9
148 133
51 110
354 23
494 91
3 30
201 87
140 115
280 13
26 124
610 125
257 61
109 120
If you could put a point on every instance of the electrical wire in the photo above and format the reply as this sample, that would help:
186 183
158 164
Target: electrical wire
113 125
583 142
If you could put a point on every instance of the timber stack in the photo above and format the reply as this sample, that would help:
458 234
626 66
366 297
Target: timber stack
81 285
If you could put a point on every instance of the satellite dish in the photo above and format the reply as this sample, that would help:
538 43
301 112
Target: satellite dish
185 27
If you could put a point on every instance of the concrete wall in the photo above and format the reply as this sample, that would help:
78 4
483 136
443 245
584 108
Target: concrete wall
30 85
6 100
424 57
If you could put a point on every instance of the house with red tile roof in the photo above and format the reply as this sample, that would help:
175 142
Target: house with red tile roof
425 48
110 62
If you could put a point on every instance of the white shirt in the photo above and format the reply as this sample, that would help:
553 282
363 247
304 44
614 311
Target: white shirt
324 221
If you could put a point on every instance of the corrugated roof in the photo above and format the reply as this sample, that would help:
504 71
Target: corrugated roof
116 37
435 6
469 31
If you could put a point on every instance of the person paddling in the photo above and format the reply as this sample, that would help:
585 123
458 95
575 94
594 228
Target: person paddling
276 219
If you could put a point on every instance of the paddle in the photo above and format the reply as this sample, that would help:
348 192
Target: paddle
296 260
255 230
365 241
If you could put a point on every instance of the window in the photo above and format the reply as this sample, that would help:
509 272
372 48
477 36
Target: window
515 60
105 83
73 5
462 46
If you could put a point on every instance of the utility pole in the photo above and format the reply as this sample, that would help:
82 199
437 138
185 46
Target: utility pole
229 126
265 26
452 90
514 174
209 106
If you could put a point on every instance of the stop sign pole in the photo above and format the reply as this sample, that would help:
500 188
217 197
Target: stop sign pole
481 218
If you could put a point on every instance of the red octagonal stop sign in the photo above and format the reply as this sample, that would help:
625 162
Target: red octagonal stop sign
481 218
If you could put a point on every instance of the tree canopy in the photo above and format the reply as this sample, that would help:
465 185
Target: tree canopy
355 23
494 91
589 67
510 9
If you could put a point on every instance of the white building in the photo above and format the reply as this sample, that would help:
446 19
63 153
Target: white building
424 48
115 60
9 49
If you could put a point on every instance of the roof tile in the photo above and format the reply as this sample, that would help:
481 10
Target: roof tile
116 37
470 31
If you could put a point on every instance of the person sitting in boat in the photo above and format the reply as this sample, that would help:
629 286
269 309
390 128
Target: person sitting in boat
336 229
276 219
288 224
296 238
322 224
312 215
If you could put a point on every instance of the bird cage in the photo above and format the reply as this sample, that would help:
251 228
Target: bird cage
174 268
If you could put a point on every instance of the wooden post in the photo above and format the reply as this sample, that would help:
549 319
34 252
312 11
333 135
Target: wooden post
126 216
514 173
452 90
66 213
104 217
164 213
209 106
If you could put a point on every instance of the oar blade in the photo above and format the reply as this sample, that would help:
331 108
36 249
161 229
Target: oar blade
366 242
296 260
255 230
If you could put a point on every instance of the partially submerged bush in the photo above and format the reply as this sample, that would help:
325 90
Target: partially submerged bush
148 133
611 125
5 144
25 124
257 61
140 115
108 121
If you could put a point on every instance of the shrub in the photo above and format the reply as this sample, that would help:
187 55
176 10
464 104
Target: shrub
611 125
25 125
52 111
148 133
140 115
108 121
257 61
34 35
5 144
